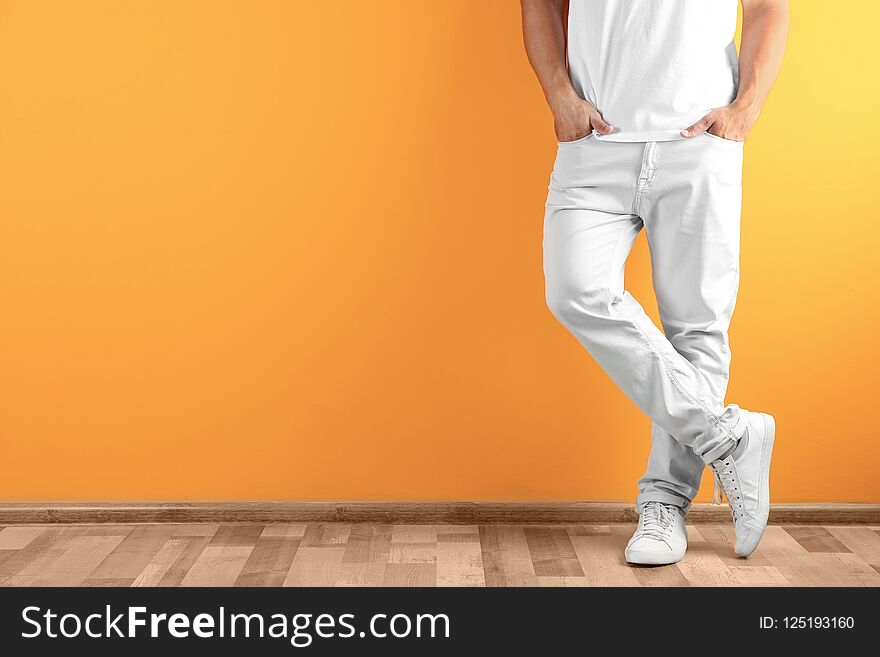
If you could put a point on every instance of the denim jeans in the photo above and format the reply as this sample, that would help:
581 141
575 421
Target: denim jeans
687 195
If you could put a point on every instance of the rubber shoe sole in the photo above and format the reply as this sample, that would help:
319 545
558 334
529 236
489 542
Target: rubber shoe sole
643 558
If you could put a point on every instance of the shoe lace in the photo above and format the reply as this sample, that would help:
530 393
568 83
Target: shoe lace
657 521
726 480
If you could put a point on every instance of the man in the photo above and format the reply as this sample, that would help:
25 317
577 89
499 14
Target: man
651 108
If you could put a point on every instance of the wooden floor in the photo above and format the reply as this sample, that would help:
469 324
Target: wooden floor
421 555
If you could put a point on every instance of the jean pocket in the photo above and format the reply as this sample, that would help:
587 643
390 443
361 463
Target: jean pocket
722 139
580 140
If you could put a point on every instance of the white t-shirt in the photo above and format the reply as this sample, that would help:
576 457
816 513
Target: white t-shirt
653 67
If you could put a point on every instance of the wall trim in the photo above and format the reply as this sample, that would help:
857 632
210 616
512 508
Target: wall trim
461 513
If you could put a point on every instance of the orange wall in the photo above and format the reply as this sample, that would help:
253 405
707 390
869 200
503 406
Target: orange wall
292 250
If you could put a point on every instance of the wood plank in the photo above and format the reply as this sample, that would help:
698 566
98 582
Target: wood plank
798 566
284 530
75 564
418 543
269 562
601 558
473 513
428 533
5 555
414 534
757 576
708 533
458 537
367 549
409 553
236 536
324 535
133 553
816 539
172 562
15 538
552 552
218 566
199 529
371 530
859 540
102 530
36 556
588 530
459 563
315 566
660 575
822 569
410 574
506 557
857 571
703 567
121 582
360 574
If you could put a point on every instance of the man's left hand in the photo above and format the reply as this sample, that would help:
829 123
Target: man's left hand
732 122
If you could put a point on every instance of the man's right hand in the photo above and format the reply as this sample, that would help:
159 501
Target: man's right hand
575 118
544 35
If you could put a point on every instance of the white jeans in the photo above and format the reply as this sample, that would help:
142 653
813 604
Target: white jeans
687 195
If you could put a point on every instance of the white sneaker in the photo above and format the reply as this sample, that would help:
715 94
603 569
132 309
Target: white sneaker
660 538
745 478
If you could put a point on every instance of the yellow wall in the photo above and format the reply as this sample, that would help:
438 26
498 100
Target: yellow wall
291 250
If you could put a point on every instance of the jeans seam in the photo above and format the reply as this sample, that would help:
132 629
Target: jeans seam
716 421
729 308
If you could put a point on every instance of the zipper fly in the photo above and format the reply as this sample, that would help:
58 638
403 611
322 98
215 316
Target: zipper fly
646 173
